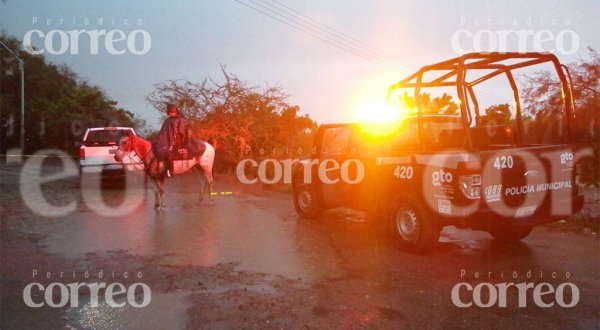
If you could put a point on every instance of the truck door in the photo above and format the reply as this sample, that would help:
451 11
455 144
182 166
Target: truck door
334 152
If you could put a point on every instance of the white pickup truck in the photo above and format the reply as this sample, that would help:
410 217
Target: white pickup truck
97 152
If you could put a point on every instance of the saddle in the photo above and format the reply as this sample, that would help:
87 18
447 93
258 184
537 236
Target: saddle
194 148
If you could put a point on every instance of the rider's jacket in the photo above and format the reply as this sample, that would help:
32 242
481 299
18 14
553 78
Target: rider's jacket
172 135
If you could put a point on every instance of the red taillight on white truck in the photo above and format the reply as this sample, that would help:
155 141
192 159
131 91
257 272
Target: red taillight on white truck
470 185
81 153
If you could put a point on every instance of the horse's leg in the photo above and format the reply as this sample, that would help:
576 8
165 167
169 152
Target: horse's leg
157 194
209 182
161 190
199 169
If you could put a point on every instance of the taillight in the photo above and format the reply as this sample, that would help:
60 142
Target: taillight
82 153
470 185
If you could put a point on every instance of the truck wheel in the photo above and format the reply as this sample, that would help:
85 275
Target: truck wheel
306 201
413 227
510 234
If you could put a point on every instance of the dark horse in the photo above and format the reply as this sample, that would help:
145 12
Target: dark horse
156 170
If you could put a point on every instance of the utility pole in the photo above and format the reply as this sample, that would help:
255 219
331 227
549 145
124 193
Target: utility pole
22 69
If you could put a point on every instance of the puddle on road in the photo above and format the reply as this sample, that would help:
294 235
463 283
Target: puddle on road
261 288
466 238
165 311
231 230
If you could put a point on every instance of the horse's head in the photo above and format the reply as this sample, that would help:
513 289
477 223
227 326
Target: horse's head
125 147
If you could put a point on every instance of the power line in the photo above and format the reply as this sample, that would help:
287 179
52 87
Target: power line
318 34
344 38
340 40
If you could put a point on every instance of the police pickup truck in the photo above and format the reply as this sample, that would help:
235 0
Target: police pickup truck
504 172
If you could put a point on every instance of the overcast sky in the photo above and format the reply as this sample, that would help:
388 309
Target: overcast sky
339 54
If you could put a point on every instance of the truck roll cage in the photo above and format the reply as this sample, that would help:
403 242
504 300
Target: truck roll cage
453 72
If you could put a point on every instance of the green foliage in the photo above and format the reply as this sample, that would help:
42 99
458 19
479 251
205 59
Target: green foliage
241 121
544 107
497 114
442 105
58 105
439 105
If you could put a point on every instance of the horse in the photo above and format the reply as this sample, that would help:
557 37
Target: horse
156 170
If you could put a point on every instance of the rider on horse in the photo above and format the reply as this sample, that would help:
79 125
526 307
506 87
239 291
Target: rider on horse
173 136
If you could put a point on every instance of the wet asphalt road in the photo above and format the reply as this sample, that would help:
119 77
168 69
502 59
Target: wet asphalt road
247 261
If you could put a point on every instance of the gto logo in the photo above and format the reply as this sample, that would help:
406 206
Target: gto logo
566 157
70 294
488 295
116 42
441 176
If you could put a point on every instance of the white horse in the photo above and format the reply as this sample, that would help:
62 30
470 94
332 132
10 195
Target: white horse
156 169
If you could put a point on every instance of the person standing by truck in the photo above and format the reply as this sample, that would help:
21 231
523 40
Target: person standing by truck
172 137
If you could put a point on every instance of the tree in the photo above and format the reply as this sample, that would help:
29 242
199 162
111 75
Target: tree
241 121
497 114
544 107
439 105
58 105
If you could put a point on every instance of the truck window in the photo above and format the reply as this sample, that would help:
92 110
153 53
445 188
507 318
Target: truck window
443 135
546 127
104 137
496 126
406 138
335 140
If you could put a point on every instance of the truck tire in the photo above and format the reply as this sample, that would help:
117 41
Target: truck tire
414 228
510 234
306 201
